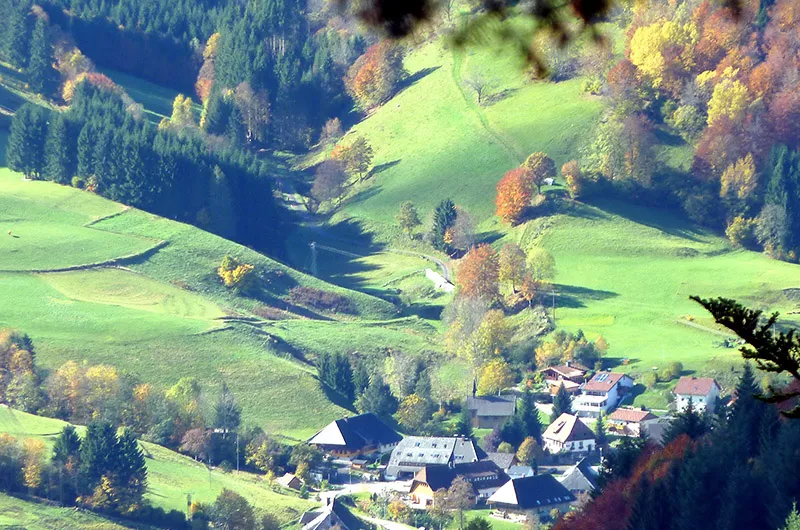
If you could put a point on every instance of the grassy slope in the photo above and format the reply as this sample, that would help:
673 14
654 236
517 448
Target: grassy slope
19 514
171 476
434 141
152 321
156 99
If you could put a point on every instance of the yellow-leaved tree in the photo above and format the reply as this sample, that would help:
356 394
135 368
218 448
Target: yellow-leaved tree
33 451
494 377
739 179
235 274
729 99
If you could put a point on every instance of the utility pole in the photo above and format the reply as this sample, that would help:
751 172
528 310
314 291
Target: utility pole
237 451
554 293
313 246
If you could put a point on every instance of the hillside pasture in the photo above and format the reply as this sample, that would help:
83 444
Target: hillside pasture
20 514
156 99
627 272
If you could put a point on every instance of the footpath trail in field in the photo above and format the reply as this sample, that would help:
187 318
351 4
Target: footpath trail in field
507 143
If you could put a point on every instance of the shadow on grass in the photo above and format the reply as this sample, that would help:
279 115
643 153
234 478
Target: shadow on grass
488 237
416 76
614 362
383 167
335 397
424 310
491 99
666 220
573 296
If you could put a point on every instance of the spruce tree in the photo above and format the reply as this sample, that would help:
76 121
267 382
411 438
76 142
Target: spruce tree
216 114
26 140
66 461
221 204
130 474
86 148
56 150
529 415
688 422
444 216
377 398
99 454
463 424
227 412
18 36
360 377
562 403
42 77
600 431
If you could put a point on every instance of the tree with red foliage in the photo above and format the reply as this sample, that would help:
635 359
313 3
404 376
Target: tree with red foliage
513 195
478 273
375 76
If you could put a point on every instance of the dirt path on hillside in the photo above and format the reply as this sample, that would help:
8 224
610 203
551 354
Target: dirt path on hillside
500 138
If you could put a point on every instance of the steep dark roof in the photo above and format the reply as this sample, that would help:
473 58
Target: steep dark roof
530 493
356 432
503 406
503 460
580 477
442 476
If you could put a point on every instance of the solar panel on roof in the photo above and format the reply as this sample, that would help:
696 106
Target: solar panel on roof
601 377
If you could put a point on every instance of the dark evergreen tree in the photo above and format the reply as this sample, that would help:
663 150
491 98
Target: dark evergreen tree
56 150
513 431
689 422
42 77
18 35
600 431
444 216
86 150
227 412
99 454
360 377
26 140
378 399
221 206
529 415
66 462
217 113
562 403
235 130
463 425
130 473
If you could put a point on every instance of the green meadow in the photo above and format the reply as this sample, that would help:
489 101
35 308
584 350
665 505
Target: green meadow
19 514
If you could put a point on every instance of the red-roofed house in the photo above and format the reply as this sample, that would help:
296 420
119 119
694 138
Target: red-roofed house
629 421
601 393
703 391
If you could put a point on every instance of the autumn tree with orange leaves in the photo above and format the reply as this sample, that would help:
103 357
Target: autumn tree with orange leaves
514 193
478 273
376 75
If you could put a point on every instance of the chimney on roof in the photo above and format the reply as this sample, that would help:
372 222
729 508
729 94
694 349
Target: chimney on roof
569 363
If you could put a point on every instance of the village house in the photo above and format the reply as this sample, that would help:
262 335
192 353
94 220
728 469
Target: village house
568 434
415 452
703 391
570 375
580 478
601 394
332 514
290 481
364 434
484 476
531 495
488 412
628 420
503 460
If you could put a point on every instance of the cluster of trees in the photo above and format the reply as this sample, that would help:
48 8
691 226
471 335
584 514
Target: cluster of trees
230 511
737 471
564 346
105 471
99 145
515 189
723 81
332 176
28 46
521 433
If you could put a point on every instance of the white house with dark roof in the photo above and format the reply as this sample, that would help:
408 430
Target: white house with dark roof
601 393
415 452
531 495
703 391
357 435
568 434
